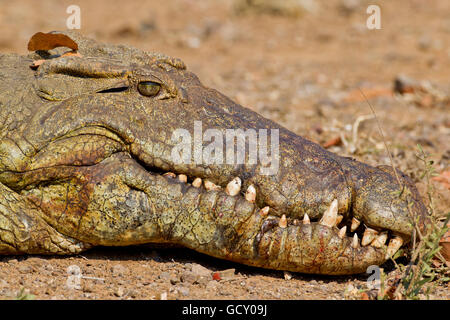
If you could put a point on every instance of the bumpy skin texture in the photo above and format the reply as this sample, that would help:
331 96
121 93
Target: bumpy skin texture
81 164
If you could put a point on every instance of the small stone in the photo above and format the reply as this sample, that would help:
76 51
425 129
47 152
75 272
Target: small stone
87 286
189 277
174 279
228 274
24 269
119 292
200 270
204 280
184 291
35 261
162 296
118 270
212 285
133 294
224 292
164 275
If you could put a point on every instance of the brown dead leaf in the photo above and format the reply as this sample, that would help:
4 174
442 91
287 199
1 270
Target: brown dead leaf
364 296
332 142
48 41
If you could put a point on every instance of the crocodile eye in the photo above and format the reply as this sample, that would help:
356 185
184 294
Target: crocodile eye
148 88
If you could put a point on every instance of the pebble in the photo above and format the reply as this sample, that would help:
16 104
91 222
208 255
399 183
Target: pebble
228 274
119 292
162 296
184 291
189 277
200 270
118 270
212 285
24 269
164 275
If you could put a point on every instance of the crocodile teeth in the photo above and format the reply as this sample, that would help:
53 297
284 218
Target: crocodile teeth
355 241
355 224
330 215
264 211
197 182
210 185
234 187
380 240
250 195
395 244
283 222
182 178
369 236
170 174
287 275
342 232
339 219
306 219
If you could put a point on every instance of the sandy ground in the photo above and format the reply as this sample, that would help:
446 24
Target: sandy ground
305 72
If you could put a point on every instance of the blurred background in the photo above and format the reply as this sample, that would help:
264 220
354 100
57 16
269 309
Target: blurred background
299 62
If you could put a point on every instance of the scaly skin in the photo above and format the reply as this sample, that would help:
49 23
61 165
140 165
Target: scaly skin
81 165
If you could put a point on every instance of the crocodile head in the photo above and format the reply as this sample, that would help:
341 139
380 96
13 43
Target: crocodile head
126 147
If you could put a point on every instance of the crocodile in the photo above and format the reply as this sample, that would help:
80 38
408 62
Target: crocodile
87 159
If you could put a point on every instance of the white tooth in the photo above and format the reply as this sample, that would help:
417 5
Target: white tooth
170 174
264 211
250 195
380 240
393 246
355 224
182 178
210 186
355 241
234 187
369 236
287 275
283 222
197 182
339 219
342 232
330 215
306 219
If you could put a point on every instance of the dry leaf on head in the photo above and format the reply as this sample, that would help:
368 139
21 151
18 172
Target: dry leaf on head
48 41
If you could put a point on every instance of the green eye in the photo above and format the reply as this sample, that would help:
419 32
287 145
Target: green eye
149 88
